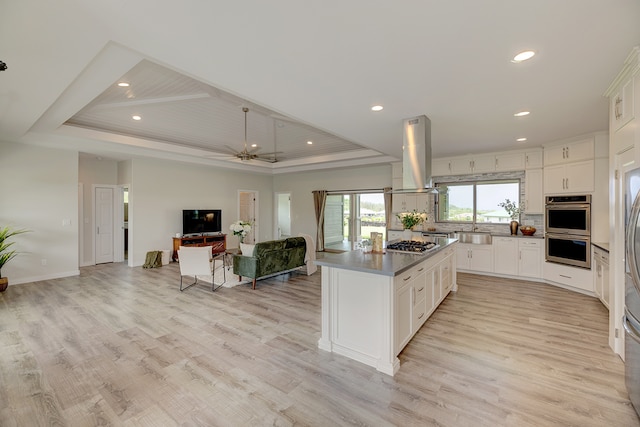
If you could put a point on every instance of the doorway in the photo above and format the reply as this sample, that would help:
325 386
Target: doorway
104 220
283 215
351 217
248 211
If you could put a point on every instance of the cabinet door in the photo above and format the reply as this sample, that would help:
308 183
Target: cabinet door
530 258
555 155
533 194
446 275
505 251
422 202
510 162
580 150
462 256
622 106
533 159
460 165
403 316
554 181
580 177
483 164
440 167
481 258
420 313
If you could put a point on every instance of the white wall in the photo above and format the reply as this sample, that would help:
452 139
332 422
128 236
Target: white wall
300 185
161 189
39 193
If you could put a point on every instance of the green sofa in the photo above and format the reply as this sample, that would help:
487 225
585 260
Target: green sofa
270 258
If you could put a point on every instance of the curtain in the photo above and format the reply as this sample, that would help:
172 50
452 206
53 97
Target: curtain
319 202
388 208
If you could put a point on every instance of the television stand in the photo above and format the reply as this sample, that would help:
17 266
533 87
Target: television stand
218 243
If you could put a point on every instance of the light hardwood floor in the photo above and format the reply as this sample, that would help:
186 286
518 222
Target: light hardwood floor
122 346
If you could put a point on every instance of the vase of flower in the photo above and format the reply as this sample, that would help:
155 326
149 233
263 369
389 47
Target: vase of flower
513 210
241 229
410 220
513 225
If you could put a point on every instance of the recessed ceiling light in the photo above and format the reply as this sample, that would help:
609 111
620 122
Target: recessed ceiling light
377 108
123 84
136 117
522 113
523 56
521 139
309 142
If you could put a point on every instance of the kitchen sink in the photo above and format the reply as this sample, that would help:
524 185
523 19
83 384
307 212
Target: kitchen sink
473 237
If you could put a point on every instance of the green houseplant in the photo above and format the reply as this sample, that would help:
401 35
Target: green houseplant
6 253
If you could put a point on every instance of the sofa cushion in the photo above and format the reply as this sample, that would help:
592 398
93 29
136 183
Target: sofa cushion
294 242
264 247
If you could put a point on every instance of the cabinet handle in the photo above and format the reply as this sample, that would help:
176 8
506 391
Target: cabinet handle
526 159
564 153
420 269
567 152
567 183
420 317
496 166
407 278
618 114
420 290
520 255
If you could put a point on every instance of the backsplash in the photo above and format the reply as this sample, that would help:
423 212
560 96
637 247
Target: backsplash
536 220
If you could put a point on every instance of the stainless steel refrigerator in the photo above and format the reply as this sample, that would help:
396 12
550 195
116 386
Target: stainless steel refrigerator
631 320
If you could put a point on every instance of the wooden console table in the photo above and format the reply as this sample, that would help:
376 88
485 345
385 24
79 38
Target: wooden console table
218 243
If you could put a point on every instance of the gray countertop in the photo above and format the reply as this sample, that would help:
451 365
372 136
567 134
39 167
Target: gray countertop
387 264
538 235
601 245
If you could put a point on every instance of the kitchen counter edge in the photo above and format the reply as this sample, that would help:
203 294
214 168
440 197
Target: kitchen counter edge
387 264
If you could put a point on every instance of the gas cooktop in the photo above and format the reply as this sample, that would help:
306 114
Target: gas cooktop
411 246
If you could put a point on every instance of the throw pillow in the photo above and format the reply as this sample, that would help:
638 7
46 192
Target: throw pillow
246 249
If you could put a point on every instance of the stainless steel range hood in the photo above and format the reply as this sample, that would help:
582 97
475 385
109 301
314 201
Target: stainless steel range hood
416 156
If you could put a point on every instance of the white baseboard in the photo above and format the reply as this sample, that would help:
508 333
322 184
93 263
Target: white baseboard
45 277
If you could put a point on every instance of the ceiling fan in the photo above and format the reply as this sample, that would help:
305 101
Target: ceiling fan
247 154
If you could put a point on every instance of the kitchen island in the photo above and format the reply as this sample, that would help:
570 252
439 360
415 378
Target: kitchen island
373 303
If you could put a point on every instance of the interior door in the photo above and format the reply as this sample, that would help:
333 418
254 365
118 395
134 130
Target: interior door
283 215
104 224
247 209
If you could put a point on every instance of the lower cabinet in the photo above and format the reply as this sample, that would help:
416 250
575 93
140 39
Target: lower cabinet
418 292
474 258
601 274
574 277
518 256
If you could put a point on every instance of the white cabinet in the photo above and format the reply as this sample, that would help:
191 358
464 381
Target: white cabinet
533 192
418 292
403 202
396 175
569 178
530 253
601 274
574 277
518 256
570 152
622 106
505 253
509 162
481 163
474 258
533 159
440 167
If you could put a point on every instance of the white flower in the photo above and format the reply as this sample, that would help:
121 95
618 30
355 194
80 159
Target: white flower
240 228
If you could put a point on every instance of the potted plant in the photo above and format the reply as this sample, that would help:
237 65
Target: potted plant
7 254
410 220
513 211
241 229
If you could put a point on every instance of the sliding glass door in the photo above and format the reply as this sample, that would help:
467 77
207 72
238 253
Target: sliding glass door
351 217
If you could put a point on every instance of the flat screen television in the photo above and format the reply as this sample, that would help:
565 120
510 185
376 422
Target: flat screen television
201 221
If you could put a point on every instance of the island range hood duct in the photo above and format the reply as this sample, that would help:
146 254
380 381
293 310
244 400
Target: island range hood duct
416 156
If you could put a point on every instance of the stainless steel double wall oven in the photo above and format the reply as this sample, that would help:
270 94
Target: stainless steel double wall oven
568 230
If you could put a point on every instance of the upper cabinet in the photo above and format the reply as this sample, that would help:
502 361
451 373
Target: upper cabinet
485 163
622 106
570 152
533 159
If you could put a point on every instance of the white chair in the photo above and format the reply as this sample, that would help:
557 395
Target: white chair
194 262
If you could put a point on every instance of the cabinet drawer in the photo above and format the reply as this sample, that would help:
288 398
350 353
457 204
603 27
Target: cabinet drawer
419 316
420 292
